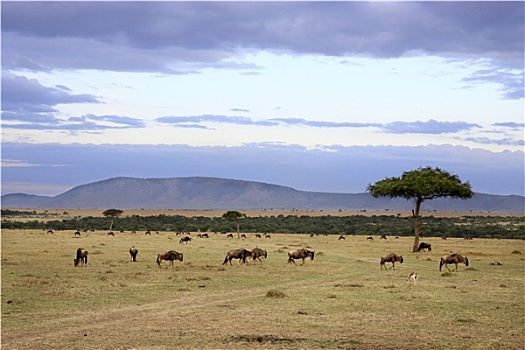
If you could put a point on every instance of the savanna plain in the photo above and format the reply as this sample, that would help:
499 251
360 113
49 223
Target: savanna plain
340 300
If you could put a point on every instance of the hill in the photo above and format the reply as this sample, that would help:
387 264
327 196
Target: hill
205 193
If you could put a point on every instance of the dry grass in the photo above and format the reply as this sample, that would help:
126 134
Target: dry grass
341 300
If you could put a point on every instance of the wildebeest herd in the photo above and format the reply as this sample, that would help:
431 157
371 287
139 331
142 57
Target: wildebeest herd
242 254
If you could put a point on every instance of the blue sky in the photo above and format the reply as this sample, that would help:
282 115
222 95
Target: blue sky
319 96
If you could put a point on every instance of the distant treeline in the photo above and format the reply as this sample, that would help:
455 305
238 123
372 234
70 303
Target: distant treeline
389 225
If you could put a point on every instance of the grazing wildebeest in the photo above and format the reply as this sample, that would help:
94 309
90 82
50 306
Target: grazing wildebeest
147 233
383 237
444 238
243 236
257 253
341 237
424 245
77 233
240 254
133 252
110 233
230 235
370 238
82 256
391 258
185 239
267 236
50 231
452 259
169 256
302 253
257 235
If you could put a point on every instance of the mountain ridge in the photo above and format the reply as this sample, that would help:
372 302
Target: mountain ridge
212 193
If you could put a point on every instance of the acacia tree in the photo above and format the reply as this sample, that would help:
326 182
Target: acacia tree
233 215
421 185
113 213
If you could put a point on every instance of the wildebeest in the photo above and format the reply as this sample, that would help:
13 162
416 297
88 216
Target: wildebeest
77 233
185 239
230 235
383 237
452 259
243 236
257 253
169 256
370 238
302 253
391 258
257 235
341 237
81 258
110 233
148 232
424 245
133 252
240 254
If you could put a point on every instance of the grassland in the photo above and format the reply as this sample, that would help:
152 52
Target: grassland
340 300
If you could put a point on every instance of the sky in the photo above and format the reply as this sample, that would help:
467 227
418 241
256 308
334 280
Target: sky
318 96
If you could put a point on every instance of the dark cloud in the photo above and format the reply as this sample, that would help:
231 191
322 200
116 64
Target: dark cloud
217 119
184 37
22 95
29 105
331 169
491 141
428 127
512 125
323 124
399 127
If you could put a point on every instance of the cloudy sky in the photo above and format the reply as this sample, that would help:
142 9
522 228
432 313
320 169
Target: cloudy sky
319 96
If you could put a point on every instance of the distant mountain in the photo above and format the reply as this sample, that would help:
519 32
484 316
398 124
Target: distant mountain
205 193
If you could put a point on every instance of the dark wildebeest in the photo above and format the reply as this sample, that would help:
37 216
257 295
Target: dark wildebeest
133 252
230 235
240 254
77 233
383 237
110 233
391 258
300 254
257 235
424 245
341 237
81 258
243 236
369 238
169 256
452 259
185 239
257 253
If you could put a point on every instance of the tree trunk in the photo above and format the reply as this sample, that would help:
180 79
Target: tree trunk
417 223
238 231
111 225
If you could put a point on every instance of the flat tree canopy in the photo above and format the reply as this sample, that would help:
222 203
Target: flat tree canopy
113 213
421 184
234 215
